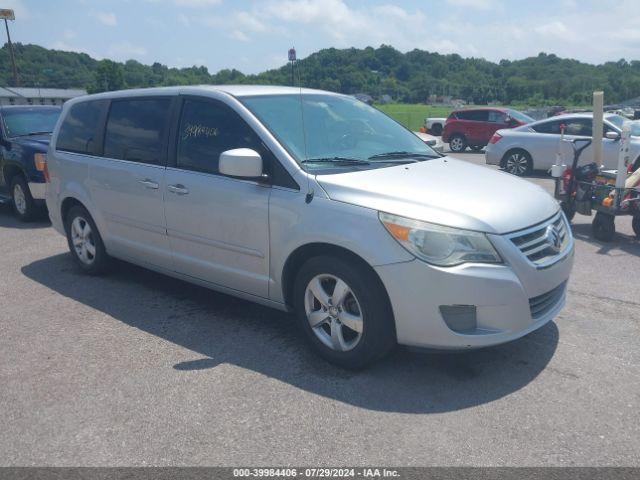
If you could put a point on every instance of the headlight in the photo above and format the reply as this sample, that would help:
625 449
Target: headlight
442 246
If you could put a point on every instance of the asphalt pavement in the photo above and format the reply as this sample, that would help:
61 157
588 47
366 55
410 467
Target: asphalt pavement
136 368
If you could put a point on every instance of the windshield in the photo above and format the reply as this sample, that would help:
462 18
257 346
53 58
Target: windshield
635 128
617 120
21 122
341 132
521 117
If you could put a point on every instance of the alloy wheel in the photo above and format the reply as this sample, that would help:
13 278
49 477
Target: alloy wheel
19 199
333 312
517 164
83 241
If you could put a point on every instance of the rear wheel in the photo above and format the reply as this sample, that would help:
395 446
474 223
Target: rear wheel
85 242
24 205
518 162
457 143
436 129
635 224
604 227
569 209
476 148
343 312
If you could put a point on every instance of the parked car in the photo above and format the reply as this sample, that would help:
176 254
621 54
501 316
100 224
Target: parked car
434 142
474 127
24 136
355 224
534 146
434 125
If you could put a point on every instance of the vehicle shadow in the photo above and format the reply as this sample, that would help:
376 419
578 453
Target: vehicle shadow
9 220
217 329
621 243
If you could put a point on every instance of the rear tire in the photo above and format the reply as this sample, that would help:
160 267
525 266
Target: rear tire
436 129
604 227
476 148
457 143
343 312
569 209
517 162
635 224
24 205
85 242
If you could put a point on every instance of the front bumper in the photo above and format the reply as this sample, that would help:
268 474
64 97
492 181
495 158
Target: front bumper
38 190
500 293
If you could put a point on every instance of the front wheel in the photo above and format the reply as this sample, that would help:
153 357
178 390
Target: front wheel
569 209
518 163
458 143
24 205
635 224
85 242
343 312
604 227
476 148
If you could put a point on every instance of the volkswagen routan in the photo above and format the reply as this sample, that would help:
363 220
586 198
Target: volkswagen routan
311 202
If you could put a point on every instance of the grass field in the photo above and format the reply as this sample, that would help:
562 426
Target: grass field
412 115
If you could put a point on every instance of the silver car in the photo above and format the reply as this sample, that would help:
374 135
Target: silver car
310 202
534 146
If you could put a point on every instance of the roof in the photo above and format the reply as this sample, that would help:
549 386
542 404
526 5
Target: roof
17 92
10 108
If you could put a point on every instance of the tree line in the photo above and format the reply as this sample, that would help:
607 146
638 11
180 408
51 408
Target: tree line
411 77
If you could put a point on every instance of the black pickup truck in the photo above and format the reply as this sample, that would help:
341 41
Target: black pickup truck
25 132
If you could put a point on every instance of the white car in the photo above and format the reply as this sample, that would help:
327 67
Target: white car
434 125
434 142
534 146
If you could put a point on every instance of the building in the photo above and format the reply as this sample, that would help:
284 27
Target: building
37 96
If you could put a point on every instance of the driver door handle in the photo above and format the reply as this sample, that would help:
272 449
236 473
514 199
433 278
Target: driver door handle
178 189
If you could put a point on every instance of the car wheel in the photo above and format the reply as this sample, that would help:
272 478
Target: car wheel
604 227
85 242
518 162
436 129
569 209
476 148
458 143
635 224
343 312
24 205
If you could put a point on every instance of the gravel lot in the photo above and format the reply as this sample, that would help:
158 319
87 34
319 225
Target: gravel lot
139 369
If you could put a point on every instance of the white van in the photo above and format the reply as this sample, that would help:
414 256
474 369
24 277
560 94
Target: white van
313 202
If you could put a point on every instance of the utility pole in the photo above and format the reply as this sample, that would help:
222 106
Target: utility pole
9 15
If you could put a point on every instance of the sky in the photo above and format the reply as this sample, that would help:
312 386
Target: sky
253 36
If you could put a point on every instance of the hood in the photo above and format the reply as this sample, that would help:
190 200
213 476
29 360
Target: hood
38 143
448 192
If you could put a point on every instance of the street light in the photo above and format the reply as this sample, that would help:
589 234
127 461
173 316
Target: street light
7 14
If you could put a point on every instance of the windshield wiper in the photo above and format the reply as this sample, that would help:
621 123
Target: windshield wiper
337 160
402 154
33 133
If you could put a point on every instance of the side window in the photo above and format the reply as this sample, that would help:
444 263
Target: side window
79 129
136 130
476 115
552 127
579 126
206 130
497 117
462 115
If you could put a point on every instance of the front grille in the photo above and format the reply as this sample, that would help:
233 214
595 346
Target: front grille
543 304
546 243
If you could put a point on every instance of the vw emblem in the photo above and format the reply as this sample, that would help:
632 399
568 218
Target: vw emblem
552 236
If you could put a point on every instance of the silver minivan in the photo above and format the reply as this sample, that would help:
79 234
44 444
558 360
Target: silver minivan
310 202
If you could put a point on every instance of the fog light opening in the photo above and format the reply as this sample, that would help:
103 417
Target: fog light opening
460 318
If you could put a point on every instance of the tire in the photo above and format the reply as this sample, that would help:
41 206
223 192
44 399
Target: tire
24 206
569 209
457 143
369 332
476 148
635 224
604 227
517 162
436 129
86 247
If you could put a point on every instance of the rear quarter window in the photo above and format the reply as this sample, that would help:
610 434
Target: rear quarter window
79 131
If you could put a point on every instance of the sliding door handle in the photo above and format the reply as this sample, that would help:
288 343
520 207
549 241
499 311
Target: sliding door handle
178 189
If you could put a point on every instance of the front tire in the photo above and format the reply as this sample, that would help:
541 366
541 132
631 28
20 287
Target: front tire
343 312
85 242
635 224
604 227
24 205
458 143
476 148
569 209
518 162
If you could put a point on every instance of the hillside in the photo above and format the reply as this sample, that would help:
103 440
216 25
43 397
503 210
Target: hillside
407 77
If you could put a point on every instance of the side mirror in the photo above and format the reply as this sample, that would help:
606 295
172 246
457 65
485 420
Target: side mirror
240 162
612 135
